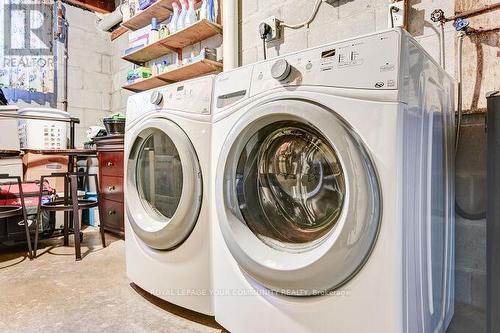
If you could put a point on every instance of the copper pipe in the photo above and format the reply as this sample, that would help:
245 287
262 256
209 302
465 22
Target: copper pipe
473 12
406 14
483 31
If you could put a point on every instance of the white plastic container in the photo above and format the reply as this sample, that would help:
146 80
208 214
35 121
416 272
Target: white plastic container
42 134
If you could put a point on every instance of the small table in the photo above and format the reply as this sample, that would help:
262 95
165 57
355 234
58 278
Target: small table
72 155
6 153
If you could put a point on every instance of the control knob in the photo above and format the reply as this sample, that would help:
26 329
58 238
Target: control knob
156 97
281 69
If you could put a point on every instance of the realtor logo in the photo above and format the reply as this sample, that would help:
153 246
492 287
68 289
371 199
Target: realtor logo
28 28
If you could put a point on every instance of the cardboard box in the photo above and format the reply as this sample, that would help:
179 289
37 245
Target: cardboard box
12 166
37 165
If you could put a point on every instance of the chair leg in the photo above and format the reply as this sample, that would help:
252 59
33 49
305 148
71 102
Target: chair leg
25 217
101 228
66 213
38 216
76 218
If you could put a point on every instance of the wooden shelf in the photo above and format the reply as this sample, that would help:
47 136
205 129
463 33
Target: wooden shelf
182 73
195 33
161 9
118 32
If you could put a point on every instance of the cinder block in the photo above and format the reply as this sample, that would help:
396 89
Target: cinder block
80 136
76 38
249 56
249 7
82 19
94 117
106 102
328 13
75 77
76 112
97 82
354 8
478 290
345 28
88 61
82 98
470 244
106 64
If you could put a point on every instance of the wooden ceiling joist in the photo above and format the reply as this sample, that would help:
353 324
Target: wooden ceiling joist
99 6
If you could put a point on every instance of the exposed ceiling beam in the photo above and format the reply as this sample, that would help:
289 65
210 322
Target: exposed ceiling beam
99 6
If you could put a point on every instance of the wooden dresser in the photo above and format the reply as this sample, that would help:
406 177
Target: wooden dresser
111 208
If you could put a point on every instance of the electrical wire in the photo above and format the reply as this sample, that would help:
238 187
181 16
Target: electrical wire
308 21
392 10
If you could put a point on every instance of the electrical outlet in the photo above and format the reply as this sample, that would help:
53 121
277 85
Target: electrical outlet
395 14
274 34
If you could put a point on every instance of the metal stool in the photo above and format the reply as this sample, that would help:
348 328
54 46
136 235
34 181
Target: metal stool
71 204
11 211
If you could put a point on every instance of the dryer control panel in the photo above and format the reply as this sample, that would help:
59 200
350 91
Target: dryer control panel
369 62
192 96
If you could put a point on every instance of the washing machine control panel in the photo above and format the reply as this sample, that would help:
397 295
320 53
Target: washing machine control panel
370 62
193 96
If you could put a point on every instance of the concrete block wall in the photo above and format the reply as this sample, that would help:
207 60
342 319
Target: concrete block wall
89 71
119 68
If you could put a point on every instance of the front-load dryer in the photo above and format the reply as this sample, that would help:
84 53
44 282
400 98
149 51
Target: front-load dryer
333 194
167 227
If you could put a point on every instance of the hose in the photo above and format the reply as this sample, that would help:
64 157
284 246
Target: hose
308 21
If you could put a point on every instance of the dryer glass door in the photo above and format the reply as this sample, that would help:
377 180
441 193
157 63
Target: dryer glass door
302 204
163 184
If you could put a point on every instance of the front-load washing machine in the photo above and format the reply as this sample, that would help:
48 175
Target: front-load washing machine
167 227
333 195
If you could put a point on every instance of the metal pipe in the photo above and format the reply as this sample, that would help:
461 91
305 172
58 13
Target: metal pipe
442 42
473 12
461 36
230 36
483 31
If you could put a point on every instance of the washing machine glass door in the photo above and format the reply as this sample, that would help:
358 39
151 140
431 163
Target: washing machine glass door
302 202
163 184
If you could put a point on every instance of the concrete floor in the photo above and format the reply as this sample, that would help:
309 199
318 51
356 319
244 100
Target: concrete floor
54 293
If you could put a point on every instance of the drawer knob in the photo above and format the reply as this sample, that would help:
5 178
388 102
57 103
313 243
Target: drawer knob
112 212
112 188
110 163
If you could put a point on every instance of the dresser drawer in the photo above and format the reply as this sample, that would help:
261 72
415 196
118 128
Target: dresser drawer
111 214
112 188
111 163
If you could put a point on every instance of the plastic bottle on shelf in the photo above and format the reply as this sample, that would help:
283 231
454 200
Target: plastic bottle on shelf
182 15
204 10
172 26
154 34
190 15
211 11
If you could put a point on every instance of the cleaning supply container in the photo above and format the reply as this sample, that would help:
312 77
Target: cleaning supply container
42 134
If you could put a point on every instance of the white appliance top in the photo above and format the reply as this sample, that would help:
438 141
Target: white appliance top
366 62
190 97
